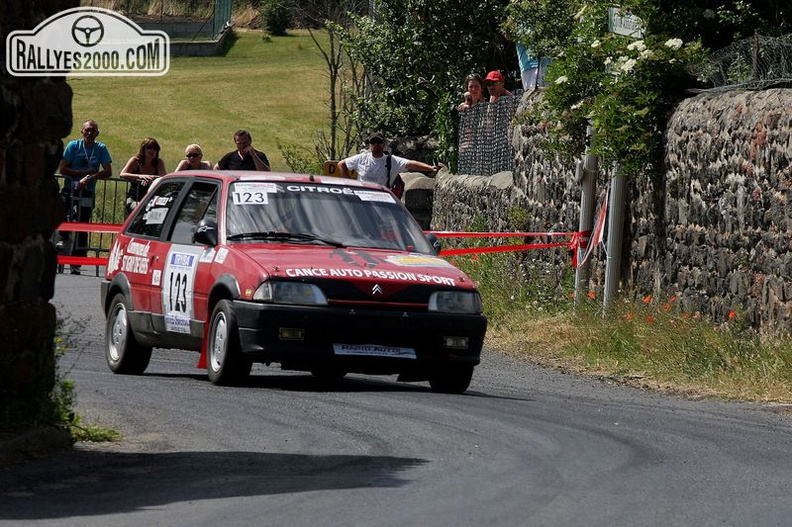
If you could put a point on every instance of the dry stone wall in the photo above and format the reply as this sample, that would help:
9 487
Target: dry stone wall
715 230
729 171
35 115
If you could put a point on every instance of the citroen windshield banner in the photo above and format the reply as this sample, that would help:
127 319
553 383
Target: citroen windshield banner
87 41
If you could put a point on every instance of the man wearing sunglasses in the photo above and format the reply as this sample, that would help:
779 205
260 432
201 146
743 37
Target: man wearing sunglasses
377 166
496 85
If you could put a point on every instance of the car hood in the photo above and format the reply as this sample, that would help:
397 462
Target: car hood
356 264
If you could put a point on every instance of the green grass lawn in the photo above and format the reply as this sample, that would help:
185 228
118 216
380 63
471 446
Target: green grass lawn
277 89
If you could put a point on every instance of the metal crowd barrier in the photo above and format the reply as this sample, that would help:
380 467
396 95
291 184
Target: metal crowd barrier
485 137
106 204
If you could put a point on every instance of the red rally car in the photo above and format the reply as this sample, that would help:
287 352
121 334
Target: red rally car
325 275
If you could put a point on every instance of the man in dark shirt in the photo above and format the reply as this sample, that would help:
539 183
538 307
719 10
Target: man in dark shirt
245 157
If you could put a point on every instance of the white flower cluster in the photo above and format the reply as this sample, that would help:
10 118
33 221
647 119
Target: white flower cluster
674 43
628 65
638 45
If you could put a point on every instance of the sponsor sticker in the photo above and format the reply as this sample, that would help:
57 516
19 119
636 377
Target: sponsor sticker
156 216
417 260
208 255
114 260
221 255
372 195
373 350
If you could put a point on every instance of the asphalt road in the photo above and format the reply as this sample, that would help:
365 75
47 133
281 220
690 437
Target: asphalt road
523 447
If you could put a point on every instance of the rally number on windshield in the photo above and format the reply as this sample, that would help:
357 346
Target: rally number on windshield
252 193
177 287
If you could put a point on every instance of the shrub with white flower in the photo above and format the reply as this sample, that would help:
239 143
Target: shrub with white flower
638 45
674 43
625 87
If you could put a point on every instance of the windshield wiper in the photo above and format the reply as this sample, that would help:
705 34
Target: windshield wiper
281 235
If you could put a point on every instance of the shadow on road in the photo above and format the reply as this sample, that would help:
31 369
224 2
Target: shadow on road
87 483
353 383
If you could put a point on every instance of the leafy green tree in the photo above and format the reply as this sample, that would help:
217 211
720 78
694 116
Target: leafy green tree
417 52
276 16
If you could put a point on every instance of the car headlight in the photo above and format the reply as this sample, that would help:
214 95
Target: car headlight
468 302
290 293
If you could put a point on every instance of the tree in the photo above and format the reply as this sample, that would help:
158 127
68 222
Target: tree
344 74
627 87
416 54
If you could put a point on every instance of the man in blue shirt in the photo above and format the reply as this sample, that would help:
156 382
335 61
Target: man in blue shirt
84 162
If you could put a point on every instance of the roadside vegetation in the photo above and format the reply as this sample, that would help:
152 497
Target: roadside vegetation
63 397
651 343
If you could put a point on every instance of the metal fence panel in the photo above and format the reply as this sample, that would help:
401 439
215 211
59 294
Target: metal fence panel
484 137
106 202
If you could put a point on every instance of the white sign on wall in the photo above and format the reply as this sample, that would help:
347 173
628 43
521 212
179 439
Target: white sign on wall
621 22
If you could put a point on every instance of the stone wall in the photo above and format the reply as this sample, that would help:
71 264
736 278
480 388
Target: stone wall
728 181
35 115
714 230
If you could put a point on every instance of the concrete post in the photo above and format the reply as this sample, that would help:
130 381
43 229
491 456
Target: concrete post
587 176
615 237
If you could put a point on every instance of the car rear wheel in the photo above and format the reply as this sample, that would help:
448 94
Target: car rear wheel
123 352
454 378
226 364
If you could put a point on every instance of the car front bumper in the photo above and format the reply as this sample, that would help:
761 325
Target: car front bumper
301 337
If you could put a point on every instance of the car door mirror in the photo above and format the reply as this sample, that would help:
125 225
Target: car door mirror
435 241
206 232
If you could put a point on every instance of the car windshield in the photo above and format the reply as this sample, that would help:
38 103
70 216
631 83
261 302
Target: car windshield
317 213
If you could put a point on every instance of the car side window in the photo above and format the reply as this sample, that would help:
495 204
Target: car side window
201 202
150 218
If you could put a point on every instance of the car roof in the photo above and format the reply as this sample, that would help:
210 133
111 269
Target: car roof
229 176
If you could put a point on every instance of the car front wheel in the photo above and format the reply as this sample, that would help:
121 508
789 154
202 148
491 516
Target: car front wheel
123 352
226 364
454 378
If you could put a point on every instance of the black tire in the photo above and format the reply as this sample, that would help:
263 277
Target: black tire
123 352
454 378
224 362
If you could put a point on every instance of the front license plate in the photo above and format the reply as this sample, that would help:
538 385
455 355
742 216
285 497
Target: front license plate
372 350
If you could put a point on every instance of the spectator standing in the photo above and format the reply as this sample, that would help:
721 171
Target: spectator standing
84 162
372 166
194 159
496 86
475 92
141 170
245 157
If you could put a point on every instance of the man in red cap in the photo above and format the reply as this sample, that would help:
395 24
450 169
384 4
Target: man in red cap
495 85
